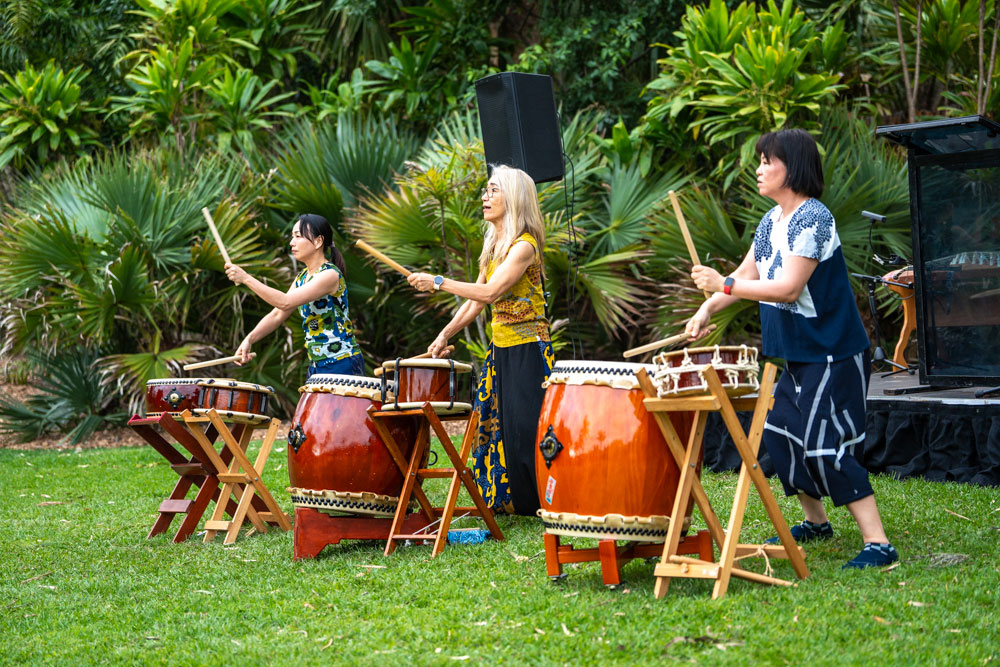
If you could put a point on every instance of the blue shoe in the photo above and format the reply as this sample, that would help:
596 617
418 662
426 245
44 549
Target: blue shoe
873 555
807 531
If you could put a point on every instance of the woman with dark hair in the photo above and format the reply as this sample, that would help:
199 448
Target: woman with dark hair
809 318
319 292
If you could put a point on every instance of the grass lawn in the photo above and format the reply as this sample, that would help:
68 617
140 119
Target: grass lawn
80 583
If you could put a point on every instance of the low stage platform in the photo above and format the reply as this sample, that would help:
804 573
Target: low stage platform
946 434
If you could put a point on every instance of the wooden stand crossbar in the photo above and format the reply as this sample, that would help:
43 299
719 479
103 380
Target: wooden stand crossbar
414 472
613 557
207 470
672 563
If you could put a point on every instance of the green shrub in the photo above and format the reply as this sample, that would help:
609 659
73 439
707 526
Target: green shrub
42 115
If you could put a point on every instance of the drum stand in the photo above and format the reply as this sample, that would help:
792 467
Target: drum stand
207 469
672 564
414 472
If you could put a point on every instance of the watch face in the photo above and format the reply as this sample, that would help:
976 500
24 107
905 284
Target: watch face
438 280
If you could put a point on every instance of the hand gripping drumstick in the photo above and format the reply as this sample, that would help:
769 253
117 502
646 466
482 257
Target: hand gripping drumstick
684 232
649 347
215 362
215 233
382 258
425 355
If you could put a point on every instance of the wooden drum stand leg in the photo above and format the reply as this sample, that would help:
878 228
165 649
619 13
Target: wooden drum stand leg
672 564
241 478
414 474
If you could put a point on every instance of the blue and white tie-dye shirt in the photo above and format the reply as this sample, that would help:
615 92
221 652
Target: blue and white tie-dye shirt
823 324
326 321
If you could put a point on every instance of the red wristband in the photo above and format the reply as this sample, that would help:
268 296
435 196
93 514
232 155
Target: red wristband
727 285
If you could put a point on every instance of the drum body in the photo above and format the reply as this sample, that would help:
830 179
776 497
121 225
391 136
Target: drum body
336 460
603 466
678 373
418 381
233 400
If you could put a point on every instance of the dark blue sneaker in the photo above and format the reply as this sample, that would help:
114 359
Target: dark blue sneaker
873 555
807 531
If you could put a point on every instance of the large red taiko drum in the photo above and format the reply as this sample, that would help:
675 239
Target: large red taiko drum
603 466
337 463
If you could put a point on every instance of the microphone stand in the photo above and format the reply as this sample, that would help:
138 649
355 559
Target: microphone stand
879 353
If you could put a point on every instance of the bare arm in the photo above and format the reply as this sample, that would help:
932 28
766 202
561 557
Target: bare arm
322 284
520 257
466 314
267 325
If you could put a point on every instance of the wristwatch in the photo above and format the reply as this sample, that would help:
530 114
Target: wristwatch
727 285
438 281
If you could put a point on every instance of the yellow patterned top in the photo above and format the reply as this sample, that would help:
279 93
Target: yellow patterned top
519 315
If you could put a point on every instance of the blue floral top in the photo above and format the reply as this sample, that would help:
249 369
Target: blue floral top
327 322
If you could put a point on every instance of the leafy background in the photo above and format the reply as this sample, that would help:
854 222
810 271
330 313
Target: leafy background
120 119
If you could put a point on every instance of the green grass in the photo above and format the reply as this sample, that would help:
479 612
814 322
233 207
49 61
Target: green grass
80 583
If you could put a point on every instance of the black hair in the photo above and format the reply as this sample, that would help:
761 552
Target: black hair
798 150
312 226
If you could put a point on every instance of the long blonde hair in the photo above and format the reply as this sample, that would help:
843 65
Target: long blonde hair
521 215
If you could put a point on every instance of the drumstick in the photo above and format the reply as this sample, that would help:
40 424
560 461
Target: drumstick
426 355
215 362
649 347
382 258
684 231
215 233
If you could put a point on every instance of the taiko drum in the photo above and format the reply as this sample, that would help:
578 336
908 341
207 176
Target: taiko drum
335 454
679 372
603 466
418 381
232 399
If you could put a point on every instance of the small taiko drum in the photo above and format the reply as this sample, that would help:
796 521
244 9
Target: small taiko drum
337 462
419 381
679 373
603 467
235 401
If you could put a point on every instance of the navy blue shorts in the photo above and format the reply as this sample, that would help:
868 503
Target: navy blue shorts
816 430
353 365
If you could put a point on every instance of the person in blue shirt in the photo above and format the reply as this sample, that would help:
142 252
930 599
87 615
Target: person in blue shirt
320 294
809 317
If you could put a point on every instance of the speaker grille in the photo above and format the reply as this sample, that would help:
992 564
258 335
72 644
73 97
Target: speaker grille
520 128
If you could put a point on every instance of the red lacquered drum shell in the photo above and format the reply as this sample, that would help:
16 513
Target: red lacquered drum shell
174 395
342 450
614 458
423 380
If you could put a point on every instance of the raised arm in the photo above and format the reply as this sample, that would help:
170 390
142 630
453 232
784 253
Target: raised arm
520 257
325 282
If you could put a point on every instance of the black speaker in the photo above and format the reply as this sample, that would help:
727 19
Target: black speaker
517 113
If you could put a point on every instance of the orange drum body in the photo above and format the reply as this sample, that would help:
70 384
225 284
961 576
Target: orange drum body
603 467
678 373
337 463
233 400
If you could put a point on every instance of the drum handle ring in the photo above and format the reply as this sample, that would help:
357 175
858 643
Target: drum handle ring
550 447
296 437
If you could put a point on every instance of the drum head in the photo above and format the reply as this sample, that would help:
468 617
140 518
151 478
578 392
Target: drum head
433 364
346 385
618 374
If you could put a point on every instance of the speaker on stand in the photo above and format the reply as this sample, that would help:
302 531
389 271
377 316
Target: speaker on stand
517 114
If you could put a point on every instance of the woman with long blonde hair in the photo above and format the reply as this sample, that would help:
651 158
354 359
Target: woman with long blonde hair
509 396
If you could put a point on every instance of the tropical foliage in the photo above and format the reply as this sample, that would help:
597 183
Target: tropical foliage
121 119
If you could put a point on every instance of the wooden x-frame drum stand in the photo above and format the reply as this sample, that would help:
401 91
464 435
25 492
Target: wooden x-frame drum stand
242 494
672 564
